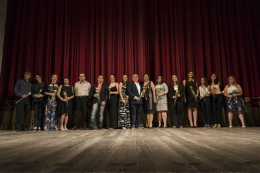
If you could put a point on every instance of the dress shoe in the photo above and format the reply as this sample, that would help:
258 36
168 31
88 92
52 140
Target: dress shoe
91 128
24 129
140 127
74 128
99 128
18 130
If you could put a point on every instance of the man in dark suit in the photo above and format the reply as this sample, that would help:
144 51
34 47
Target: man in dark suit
100 93
135 90
21 90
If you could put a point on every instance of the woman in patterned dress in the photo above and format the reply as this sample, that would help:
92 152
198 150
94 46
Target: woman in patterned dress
123 108
234 102
51 117
161 97
65 107
192 104
149 100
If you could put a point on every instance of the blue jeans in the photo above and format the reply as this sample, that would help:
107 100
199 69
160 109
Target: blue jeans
205 110
93 114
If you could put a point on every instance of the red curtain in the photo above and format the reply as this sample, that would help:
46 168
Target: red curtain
164 37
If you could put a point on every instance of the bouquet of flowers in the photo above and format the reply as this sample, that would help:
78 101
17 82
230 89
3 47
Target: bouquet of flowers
193 92
157 91
126 99
55 92
28 94
97 92
65 96
109 89
141 95
176 93
38 93
235 91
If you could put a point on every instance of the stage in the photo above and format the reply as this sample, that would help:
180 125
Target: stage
140 150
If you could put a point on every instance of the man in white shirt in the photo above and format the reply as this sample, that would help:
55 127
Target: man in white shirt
81 89
135 90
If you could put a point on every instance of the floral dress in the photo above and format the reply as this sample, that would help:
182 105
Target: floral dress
52 120
123 110
161 104
235 104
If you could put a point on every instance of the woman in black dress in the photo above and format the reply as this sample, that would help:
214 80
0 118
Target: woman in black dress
149 100
113 102
191 97
38 101
65 93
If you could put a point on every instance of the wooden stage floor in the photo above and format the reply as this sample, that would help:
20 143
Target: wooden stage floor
139 150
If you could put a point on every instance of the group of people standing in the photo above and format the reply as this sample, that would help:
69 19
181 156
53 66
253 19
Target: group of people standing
54 101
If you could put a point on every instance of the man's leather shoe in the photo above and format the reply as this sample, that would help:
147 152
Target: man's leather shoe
74 128
18 130
99 128
91 128
25 129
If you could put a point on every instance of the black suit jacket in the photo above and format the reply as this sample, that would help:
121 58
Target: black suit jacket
171 92
103 93
132 91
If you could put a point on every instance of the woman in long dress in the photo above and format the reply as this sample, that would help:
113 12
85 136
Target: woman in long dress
123 107
52 119
65 94
113 102
149 100
161 97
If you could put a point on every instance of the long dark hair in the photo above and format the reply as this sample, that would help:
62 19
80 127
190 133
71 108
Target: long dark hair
122 79
206 82
177 82
39 76
162 80
64 79
193 76
216 80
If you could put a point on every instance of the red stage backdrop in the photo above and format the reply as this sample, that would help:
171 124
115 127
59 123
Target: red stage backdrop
158 37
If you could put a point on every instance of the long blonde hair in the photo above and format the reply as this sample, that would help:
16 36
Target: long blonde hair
235 82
